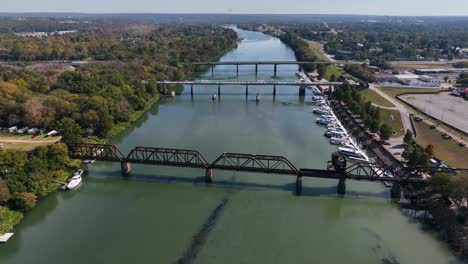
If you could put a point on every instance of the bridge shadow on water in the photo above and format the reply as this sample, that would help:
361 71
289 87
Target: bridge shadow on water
233 183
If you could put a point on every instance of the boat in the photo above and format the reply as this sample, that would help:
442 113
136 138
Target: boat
90 161
75 180
350 152
337 141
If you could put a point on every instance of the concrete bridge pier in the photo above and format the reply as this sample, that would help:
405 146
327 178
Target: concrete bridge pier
275 69
299 185
342 186
212 70
209 175
219 90
302 91
256 69
395 192
191 90
237 69
126 168
246 90
274 90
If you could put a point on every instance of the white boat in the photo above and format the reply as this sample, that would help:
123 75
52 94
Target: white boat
338 141
91 161
350 152
75 180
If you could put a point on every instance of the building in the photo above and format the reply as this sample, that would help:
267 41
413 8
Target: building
374 69
385 77
344 55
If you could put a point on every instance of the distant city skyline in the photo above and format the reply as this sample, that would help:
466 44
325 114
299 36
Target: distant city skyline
362 7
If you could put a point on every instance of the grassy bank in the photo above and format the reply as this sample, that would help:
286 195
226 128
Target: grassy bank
445 149
315 50
393 92
375 98
393 119
8 219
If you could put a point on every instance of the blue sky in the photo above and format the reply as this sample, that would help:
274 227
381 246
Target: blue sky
372 7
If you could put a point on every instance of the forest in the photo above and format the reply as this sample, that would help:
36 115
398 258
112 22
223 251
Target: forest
114 86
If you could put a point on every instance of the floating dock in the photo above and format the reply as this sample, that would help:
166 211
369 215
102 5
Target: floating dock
4 238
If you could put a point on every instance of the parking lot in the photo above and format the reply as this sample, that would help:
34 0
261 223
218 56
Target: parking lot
448 108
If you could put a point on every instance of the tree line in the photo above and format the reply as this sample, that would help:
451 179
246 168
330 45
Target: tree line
92 98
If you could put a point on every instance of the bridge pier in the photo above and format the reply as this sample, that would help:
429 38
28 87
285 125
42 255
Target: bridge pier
246 90
274 90
299 185
191 90
395 192
126 168
237 69
219 90
302 91
212 70
342 186
275 69
256 69
209 175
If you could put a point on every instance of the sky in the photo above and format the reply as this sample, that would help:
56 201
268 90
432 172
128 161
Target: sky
365 7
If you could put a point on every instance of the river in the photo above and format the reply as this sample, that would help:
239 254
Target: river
162 215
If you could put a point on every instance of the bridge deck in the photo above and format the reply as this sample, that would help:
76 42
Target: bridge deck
273 62
249 83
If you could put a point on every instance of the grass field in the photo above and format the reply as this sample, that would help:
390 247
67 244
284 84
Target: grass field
444 149
25 142
315 48
375 98
393 119
333 70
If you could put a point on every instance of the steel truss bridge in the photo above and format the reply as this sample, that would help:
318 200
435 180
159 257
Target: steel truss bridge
339 168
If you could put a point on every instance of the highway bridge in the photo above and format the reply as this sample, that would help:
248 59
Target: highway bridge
300 84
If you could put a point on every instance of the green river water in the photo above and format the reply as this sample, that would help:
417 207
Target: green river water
163 215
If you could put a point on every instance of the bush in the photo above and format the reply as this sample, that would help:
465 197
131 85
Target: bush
23 201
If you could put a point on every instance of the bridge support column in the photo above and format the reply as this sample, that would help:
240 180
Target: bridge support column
209 175
237 69
275 69
212 70
256 69
299 185
342 186
126 168
395 192
191 90
302 91
219 90
246 90
274 90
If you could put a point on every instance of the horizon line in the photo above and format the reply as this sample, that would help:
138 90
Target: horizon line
221 13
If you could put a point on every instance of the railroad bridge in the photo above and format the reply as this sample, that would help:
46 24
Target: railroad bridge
339 168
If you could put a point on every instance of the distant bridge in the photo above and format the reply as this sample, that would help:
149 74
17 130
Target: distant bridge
339 168
301 85
274 63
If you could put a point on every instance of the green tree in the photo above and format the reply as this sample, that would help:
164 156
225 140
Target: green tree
408 139
442 183
69 130
4 191
23 201
374 126
385 132
58 154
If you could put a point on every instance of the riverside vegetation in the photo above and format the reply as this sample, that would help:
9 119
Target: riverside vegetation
93 101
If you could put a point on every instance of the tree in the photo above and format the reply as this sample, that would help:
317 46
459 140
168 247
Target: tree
442 183
58 154
69 130
408 139
385 132
4 191
374 126
23 201
429 150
